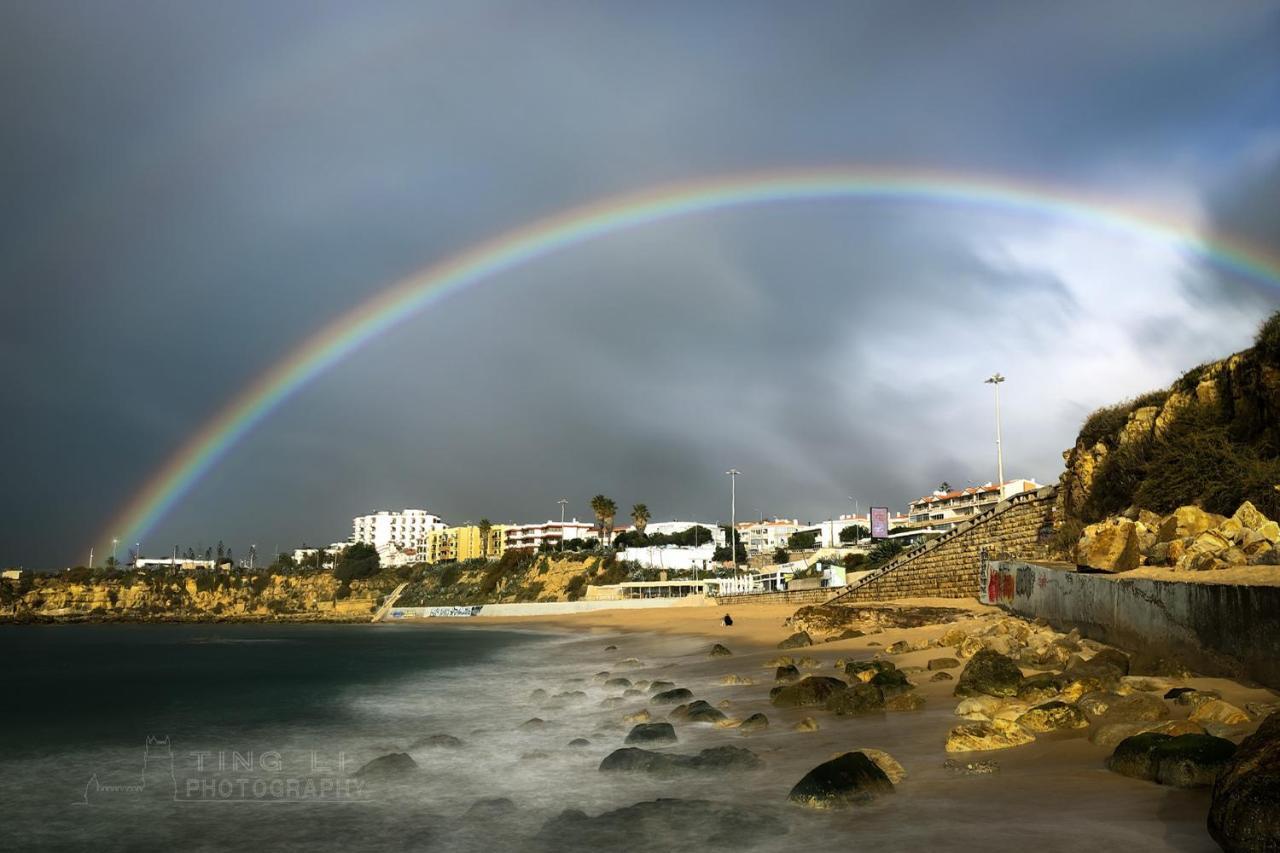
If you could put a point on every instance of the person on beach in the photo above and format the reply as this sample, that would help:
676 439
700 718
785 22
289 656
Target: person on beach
728 621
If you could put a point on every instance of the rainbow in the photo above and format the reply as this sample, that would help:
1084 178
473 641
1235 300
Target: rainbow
405 298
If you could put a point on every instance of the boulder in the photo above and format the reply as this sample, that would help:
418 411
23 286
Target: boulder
904 702
716 759
532 724
641 716
865 670
851 779
618 682
1041 688
942 663
719 651
397 765
579 742
1108 664
1186 521
1132 756
698 711
1244 812
1095 705
813 690
652 733
1108 735
737 680
659 686
886 762
1248 517
942 675
672 697
1191 761
1052 717
858 699
437 742
786 674
898 648
981 708
1136 707
808 724
989 673
754 723
1220 712
1111 546
997 734
798 640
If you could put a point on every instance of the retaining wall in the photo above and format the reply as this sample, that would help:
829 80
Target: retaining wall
1214 628
796 596
948 567
542 608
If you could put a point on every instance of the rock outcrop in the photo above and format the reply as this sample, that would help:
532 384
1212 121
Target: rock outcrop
1244 814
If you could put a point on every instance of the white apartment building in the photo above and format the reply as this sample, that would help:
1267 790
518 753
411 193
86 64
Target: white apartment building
667 528
945 510
760 537
393 534
551 533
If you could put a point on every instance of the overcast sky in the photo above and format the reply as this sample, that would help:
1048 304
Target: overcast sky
188 190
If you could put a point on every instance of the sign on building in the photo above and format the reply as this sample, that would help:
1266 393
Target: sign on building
879 522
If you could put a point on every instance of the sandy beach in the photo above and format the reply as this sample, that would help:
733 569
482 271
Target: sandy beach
1054 793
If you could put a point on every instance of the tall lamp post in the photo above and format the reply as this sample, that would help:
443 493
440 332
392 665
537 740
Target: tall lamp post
995 380
734 474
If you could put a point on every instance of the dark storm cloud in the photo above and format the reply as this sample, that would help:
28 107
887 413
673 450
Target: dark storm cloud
189 191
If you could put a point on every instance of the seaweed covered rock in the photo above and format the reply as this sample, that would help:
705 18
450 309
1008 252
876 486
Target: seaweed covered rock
1192 761
631 759
1244 813
719 651
989 673
813 690
698 711
658 826
786 674
851 779
672 697
652 733
857 699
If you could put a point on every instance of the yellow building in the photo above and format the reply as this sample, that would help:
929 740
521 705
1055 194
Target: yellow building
466 543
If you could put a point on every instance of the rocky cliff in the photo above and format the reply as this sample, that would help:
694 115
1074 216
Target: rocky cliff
1211 440
166 595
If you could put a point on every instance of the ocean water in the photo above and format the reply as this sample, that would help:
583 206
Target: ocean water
249 738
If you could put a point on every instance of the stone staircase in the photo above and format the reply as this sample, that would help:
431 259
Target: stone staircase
388 603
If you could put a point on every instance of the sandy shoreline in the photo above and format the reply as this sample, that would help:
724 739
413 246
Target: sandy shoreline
1057 768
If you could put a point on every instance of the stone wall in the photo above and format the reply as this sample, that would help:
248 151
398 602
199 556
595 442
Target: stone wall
948 567
1213 628
796 597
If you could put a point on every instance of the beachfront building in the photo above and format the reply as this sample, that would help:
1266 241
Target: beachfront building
307 556
761 537
396 535
531 537
465 543
943 510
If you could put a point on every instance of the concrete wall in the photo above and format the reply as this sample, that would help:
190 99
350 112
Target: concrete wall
547 608
796 597
947 567
1214 628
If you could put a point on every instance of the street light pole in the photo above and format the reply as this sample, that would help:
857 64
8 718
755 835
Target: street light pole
734 474
995 381
114 542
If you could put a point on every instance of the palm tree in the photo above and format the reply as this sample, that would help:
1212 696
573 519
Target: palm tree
640 517
605 510
485 526
944 487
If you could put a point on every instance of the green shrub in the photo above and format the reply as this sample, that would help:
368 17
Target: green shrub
1267 342
781 556
854 562
576 587
450 575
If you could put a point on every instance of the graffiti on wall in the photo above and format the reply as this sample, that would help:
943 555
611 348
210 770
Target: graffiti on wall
1004 584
